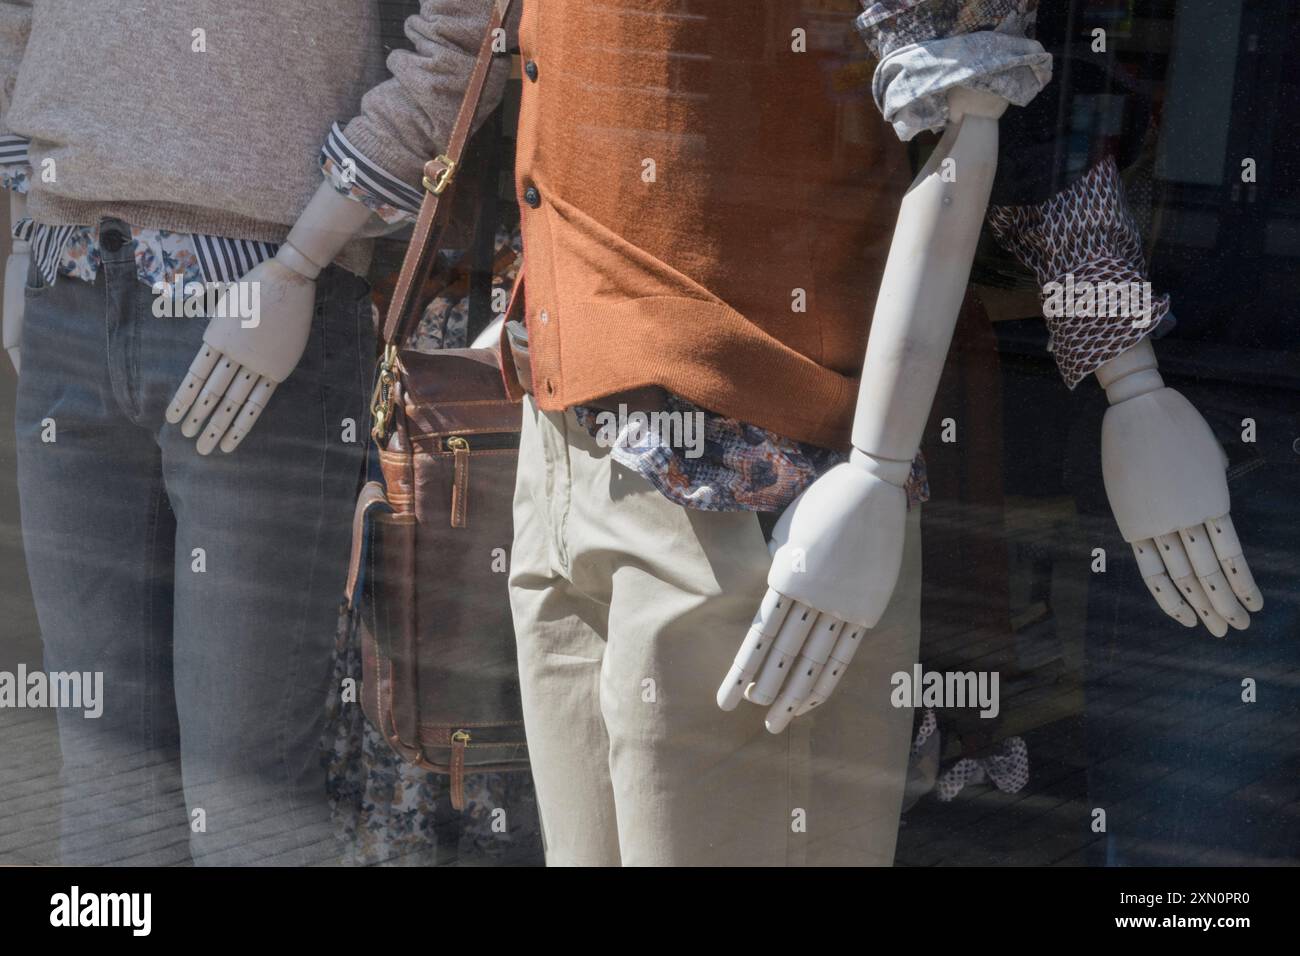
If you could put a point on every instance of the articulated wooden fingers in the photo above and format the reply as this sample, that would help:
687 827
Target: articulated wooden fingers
195 379
805 672
1181 572
230 405
1196 541
1158 583
762 633
789 642
1223 536
248 416
209 397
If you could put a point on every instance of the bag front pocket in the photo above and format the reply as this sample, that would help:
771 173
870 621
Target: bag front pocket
391 683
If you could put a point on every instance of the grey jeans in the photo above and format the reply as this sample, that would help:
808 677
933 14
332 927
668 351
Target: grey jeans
205 589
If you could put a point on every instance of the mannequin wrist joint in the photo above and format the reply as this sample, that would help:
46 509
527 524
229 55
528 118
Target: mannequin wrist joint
293 258
892 470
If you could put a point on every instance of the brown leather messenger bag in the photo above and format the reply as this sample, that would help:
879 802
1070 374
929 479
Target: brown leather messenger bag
431 541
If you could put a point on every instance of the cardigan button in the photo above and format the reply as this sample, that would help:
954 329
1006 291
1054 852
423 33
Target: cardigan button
550 387
532 197
530 69
544 317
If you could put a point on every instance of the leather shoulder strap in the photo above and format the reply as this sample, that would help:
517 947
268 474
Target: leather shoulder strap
439 173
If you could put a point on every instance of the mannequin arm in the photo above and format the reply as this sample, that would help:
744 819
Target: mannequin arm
1164 475
15 300
244 357
400 120
925 280
839 545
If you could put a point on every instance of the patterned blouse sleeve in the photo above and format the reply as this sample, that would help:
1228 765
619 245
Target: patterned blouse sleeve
1079 239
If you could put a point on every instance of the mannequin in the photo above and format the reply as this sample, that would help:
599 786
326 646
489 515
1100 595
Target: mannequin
207 583
837 547
633 574
848 526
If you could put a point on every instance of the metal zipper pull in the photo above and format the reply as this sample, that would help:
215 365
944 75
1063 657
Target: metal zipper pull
459 741
459 481
381 402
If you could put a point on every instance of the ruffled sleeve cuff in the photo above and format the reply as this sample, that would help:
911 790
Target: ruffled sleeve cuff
1084 248
928 47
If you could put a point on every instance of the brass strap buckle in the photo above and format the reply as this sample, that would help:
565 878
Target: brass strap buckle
439 185
381 402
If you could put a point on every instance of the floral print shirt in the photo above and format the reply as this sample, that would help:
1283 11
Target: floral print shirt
739 467
161 255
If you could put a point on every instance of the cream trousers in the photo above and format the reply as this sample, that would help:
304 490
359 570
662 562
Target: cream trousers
629 609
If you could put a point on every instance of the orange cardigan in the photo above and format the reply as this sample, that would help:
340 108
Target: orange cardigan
683 172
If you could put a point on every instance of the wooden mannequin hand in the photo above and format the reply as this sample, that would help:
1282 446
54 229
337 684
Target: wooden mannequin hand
244 358
837 553
1164 475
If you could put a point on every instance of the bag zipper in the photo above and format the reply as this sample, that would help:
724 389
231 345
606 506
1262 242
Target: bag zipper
459 447
485 442
459 741
459 480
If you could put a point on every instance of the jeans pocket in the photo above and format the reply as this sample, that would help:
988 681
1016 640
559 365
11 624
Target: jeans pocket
341 372
35 284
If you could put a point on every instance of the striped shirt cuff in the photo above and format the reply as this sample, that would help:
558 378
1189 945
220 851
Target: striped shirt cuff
13 150
354 175
226 260
47 245
15 165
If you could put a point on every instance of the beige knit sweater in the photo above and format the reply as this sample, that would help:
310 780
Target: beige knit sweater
208 116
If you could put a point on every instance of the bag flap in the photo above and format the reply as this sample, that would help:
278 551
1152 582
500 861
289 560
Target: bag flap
456 392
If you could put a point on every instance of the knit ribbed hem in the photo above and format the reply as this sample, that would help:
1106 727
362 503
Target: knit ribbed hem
704 352
379 149
61 211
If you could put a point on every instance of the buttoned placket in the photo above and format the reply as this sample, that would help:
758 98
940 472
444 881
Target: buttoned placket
531 198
